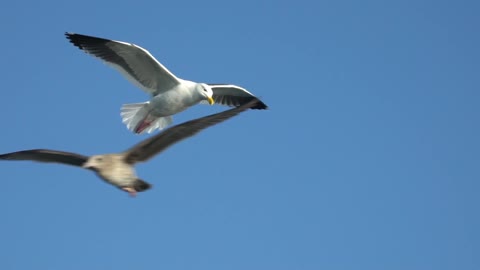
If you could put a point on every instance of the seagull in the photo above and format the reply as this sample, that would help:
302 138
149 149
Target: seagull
118 168
169 94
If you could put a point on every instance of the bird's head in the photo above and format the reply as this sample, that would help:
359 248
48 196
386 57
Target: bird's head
206 92
94 162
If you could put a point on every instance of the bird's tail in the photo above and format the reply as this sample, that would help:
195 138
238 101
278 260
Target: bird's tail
138 119
139 185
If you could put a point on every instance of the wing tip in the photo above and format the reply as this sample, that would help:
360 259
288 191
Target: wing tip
5 156
74 39
70 36
258 104
254 104
82 41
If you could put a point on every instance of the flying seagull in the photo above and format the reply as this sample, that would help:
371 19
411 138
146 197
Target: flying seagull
118 169
169 94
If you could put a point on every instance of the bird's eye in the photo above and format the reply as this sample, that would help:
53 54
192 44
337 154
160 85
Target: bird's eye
204 89
100 159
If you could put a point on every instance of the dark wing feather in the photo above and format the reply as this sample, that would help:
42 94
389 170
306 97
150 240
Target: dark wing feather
158 143
134 62
45 155
234 96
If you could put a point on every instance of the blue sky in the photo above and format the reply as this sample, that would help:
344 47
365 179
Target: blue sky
368 157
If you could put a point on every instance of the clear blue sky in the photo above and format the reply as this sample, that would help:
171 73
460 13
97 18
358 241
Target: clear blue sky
367 159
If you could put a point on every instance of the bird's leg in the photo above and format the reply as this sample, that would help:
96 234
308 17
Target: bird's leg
132 192
142 126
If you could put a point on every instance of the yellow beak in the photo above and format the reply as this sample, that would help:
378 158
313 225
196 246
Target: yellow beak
210 100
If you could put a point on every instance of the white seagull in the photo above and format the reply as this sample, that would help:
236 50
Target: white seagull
118 169
169 94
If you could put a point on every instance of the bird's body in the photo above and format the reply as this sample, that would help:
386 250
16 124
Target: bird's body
118 168
112 168
176 100
169 94
157 112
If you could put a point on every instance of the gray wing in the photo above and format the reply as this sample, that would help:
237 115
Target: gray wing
45 155
158 143
134 62
232 95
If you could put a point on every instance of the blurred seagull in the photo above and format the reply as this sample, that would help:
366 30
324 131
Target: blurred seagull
118 169
169 94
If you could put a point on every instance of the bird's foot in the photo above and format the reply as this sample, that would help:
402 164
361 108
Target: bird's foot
142 126
132 192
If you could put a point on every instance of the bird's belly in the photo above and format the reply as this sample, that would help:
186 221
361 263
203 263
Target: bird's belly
170 103
118 176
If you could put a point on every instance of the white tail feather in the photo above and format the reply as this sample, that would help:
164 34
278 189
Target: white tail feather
134 114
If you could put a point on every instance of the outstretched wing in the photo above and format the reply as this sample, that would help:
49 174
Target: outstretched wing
45 155
134 62
158 143
232 95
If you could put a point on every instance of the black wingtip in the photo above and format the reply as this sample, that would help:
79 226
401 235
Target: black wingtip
73 38
259 105
254 104
69 35
6 156
82 41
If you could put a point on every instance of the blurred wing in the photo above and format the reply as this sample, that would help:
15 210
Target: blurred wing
45 155
158 143
134 62
232 95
